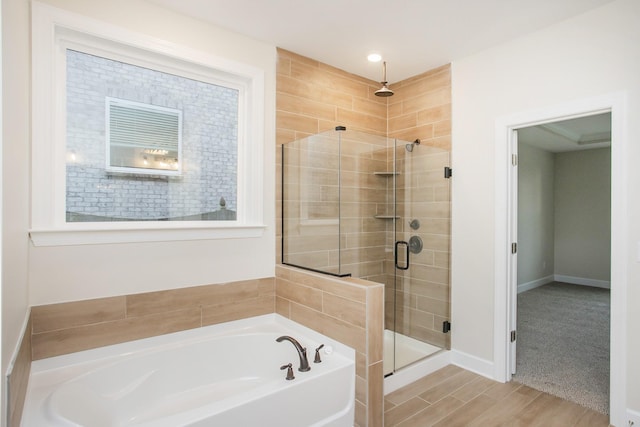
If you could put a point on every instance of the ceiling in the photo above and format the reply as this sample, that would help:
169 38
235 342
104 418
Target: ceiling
413 36
583 133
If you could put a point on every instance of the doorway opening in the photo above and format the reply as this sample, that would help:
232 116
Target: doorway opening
505 265
562 306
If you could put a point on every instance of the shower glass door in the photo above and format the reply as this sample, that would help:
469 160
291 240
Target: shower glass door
421 233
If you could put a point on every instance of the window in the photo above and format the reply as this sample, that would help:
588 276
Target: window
142 138
139 138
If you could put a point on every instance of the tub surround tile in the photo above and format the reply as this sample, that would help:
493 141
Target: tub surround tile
68 327
351 312
375 324
163 301
339 330
67 315
344 309
235 310
360 414
303 295
375 402
64 341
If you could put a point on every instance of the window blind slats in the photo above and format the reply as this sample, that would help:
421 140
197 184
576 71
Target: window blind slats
143 128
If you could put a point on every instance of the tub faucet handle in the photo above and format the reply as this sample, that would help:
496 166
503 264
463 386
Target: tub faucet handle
289 369
317 358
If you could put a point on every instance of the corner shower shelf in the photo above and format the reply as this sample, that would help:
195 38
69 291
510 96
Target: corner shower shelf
386 173
386 216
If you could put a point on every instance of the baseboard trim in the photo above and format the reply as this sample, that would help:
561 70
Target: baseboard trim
472 363
582 281
535 283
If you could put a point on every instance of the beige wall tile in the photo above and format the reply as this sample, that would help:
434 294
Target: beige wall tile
360 414
344 309
329 78
304 295
66 315
375 323
298 122
376 395
436 98
305 107
197 296
442 128
344 332
283 65
361 390
283 307
435 114
365 121
423 132
361 365
63 341
403 122
234 310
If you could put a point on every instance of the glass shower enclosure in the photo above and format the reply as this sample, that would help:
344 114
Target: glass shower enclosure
376 208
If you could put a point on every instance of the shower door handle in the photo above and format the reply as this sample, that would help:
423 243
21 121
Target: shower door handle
406 251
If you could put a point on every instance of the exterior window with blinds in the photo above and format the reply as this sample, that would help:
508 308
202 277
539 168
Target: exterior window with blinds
143 138
146 145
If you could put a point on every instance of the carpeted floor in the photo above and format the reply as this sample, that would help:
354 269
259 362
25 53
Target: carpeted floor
563 343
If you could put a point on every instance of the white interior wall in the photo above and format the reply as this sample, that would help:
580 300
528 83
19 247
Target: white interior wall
15 174
67 273
535 215
586 56
582 201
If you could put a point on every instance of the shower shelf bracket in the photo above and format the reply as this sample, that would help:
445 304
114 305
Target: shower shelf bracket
386 216
386 173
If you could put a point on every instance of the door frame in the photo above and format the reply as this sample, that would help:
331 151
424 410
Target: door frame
505 291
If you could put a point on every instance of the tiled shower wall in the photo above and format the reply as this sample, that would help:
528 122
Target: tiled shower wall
331 199
313 97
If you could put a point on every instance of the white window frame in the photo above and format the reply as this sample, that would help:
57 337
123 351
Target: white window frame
53 31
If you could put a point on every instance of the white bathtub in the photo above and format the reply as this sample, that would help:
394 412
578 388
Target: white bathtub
221 375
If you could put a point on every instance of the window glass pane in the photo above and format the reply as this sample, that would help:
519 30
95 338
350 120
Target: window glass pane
197 182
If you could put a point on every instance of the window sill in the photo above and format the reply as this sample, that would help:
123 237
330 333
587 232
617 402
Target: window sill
136 234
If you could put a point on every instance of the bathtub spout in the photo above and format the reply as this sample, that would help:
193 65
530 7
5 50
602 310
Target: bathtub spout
302 352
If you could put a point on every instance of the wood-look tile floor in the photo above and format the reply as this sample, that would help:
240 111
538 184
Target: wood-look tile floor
452 397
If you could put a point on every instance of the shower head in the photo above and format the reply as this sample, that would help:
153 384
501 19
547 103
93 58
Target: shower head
409 147
384 90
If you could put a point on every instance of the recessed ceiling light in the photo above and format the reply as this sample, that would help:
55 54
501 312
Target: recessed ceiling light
374 57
